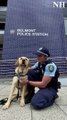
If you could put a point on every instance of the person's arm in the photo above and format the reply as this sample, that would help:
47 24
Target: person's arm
43 83
48 74
34 66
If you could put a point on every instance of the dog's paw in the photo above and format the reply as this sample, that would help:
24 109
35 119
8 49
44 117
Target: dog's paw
22 103
6 106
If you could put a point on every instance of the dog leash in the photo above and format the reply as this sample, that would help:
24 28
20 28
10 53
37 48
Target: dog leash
18 90
4 100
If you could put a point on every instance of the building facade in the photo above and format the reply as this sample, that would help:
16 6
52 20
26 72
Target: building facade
20 19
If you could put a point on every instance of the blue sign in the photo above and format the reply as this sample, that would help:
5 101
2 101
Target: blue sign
32 24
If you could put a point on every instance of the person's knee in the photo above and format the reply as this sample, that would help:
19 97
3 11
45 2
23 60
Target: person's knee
31 75
30 71
39 102
36 103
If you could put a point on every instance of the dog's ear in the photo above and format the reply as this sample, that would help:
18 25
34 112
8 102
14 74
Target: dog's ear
20 60
17 63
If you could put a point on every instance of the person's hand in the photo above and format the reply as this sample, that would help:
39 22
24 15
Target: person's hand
29 68
23 81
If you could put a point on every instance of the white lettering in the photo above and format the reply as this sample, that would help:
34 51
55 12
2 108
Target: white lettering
59 4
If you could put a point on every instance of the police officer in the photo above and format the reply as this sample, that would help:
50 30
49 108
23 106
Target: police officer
44 75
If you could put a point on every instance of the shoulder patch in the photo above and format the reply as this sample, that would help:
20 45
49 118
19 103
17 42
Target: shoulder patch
51 68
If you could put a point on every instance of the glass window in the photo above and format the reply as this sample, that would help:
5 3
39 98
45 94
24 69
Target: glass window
3 2
65 22
2 26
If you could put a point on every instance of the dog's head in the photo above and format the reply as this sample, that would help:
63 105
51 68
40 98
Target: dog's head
23 62
22 65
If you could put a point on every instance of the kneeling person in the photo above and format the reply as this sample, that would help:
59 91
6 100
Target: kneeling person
44 75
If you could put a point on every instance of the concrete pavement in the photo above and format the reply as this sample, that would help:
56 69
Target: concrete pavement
58 111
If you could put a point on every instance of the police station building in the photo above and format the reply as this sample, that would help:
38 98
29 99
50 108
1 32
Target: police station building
25 26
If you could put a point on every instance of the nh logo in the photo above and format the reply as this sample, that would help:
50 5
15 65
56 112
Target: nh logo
59 4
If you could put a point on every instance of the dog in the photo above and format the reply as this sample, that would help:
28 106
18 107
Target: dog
22 65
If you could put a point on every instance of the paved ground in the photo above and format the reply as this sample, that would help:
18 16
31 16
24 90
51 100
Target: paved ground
56 112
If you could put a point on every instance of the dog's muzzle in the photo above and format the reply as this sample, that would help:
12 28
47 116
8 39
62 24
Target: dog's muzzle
23 63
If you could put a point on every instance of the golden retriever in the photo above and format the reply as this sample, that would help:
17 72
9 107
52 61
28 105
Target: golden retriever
22 65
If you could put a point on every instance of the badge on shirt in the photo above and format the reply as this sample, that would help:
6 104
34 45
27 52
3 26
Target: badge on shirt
51 68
